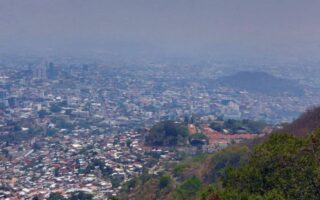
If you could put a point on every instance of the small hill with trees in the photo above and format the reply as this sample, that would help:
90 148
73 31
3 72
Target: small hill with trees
167 133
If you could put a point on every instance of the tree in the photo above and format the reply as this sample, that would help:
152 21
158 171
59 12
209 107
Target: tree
56 172
80 195
56 196
164 181
198 139
36 146
42 113
168 133
35 198
128 142
55 108
189 188
284 166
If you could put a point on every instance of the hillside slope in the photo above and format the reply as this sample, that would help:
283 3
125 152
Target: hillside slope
305 124
281 166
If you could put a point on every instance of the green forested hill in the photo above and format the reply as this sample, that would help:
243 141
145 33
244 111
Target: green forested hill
167 133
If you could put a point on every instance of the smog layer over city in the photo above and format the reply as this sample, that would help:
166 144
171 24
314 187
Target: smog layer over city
159 99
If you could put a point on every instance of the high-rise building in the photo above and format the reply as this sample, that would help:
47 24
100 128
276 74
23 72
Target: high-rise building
52 71
40 72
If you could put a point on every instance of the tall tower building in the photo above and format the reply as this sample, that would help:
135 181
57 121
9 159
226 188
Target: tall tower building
40 71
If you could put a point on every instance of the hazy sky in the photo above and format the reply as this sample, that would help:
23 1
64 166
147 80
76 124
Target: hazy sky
171 25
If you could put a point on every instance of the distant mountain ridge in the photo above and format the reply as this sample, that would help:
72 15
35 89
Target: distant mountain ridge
261 82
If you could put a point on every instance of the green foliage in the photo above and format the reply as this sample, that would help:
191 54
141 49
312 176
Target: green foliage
56 172
207 193
128 142
36 146
164 181
230 157
199 158
80 195
35 198
42 113
167 133
116 181
217 126
280 167
198 139
179 168
55 108
62 123
254 126
235 126
105 170
52 131
114 198
131 184
188 189
56 196
231 194
283 163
